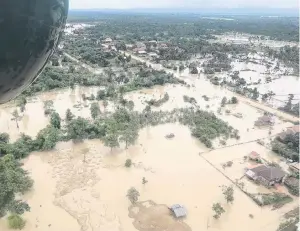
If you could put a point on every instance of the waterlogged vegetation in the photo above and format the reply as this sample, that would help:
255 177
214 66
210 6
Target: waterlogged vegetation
180 43
288 147
123 125
13 180
15 221
276 199
120 126
139 77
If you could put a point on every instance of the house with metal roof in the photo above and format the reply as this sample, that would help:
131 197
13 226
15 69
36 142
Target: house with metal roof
264 121
178 210
267 175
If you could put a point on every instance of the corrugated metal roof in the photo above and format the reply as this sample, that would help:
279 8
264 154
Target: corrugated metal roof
269 173
179 210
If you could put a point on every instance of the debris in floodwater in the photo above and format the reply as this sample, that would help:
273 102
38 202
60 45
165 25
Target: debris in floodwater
170 136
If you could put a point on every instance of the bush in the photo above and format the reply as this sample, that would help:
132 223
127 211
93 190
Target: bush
128 163
234 100
16 222
4 137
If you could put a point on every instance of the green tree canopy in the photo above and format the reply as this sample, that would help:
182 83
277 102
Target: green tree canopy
218 209
228 193
95 110
69 115
13 180
133 195
55 120
47 138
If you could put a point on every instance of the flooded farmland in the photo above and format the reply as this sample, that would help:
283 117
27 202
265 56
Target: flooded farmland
87 183
91 194
133 141
242 38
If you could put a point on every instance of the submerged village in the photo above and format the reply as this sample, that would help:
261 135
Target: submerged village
157 123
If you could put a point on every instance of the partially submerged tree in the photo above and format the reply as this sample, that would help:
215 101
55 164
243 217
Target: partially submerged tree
101 95
228 193
13 180
15 221
47 138
129 134
95 110
22 103
48 107
144 181
55 120
224 101
234 100
4 137
111 140
69 115
218 209
16 117
128 163
133 195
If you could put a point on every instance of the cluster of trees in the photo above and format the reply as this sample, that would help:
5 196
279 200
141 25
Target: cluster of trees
13 180
55 77
149 26
147 78
159 102
217 207
233 100
190 100
206 126
288 55
238 85
87 48
219 62
95 110
123 125
288 147
290 107
292 184
133 195
228 193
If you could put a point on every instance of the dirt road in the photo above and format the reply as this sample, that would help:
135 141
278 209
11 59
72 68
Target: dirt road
243 99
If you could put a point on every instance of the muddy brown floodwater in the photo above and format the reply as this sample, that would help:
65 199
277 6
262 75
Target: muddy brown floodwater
83 186
149 216
72 194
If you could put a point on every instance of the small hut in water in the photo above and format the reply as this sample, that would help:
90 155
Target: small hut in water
178 210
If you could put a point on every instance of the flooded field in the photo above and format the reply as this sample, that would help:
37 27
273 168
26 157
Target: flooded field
70 28
239 38
86 183
91 194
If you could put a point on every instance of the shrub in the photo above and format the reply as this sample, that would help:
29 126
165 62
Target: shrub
234 100
128 163
16 222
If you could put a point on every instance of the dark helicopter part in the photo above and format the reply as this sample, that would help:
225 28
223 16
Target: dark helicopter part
29 33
